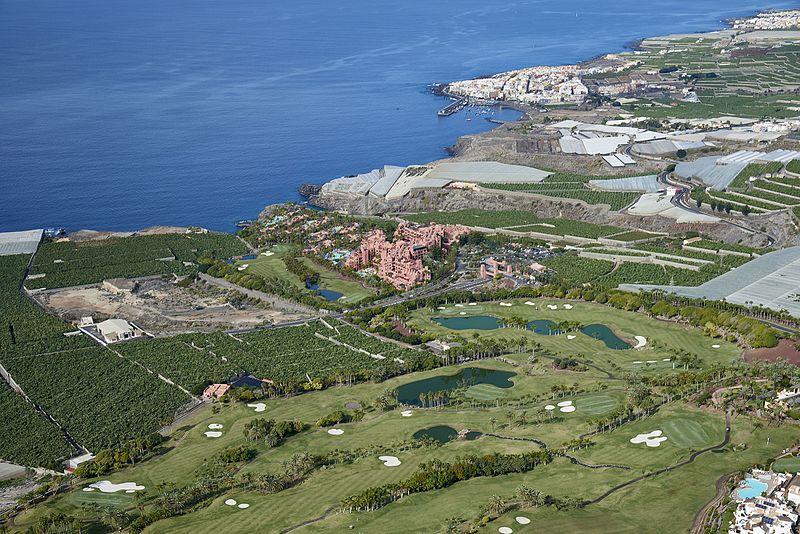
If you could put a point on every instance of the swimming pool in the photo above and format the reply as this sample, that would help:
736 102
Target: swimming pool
754 488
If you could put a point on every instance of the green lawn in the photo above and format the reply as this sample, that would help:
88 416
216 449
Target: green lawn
790 464
352 290
664 339
272 266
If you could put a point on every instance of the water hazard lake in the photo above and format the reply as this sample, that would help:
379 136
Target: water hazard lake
540 326
470 376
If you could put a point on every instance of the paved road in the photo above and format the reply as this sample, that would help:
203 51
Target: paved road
702 516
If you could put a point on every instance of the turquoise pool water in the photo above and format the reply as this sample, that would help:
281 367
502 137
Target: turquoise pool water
754 488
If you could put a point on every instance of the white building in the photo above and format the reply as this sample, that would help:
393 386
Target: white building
113 330
763 515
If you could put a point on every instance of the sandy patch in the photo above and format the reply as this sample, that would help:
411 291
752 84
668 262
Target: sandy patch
406 413
390 461
641 341
106 486
549 407
231 502
462 313
651 439
459 305
522 520
244 505
638 361
259 406
215 426
506 304
570 336
335 431
552 307
567 306
268 253
567 409
529 303
505 530
441 308
472 304
667 360
213 434
714 346
564 403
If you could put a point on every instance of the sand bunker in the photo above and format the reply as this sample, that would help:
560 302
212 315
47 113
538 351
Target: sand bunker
638 361
462 313
441 308
505 530
566 407
215 426
268 253
231 502
472 304
522 520
244 505
552 307
506 304
459 305
651 439
568 306
335 431
259 406
714 346
570 336
213 434
406 413
529 303
667 360
390 461
641 341
107 487
549 407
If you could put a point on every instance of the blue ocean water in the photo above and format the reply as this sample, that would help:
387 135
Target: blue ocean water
120 115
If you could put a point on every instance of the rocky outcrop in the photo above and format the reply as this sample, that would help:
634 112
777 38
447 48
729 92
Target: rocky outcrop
458 199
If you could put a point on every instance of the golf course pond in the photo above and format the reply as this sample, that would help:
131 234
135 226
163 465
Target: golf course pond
539 326
469 376
606 335
327 294
443 434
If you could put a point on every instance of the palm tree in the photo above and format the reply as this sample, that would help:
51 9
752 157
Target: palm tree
497 505
493 423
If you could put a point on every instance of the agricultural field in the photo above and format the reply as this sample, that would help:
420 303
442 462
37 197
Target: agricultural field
517 221
571 190
26 437
89 262
117 400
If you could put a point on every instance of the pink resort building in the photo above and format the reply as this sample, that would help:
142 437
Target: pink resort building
399 262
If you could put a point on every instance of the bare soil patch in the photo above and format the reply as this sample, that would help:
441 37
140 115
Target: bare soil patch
784 351
161 307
